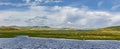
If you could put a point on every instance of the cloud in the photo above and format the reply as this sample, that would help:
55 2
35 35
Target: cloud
115 7
38 2
12 4
27 1
57 16
100 3
30 2
115 4
47 1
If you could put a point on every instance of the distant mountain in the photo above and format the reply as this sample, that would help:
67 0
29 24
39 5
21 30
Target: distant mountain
8 28
20 27
39 26
112 28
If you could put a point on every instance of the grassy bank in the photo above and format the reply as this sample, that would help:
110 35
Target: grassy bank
67 33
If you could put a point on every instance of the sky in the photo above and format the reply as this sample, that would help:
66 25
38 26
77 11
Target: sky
60 13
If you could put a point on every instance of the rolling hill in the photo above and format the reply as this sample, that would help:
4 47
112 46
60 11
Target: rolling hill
108 33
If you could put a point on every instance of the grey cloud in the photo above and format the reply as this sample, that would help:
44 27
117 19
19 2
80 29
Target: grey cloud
60 17
37 21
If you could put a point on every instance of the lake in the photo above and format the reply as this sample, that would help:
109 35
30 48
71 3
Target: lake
25 42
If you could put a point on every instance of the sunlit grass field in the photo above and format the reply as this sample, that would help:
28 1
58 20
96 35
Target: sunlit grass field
109 33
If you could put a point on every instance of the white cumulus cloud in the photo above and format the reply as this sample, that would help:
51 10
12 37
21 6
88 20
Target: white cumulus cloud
60 17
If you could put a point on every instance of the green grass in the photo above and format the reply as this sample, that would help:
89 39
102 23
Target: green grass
98 34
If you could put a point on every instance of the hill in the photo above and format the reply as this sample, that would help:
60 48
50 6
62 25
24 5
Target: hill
112 28
108 33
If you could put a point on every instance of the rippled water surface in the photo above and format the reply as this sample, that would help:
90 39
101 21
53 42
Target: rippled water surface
24 42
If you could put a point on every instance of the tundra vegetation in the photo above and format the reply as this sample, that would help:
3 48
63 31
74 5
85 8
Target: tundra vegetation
108 33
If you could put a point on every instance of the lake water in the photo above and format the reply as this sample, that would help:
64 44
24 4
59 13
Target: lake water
24 42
